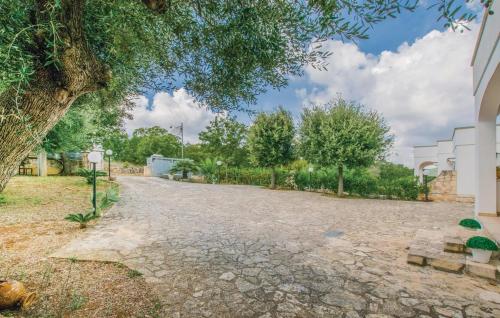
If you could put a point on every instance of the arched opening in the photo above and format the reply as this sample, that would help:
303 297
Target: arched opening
427 167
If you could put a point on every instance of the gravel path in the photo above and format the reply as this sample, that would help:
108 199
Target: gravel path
241 251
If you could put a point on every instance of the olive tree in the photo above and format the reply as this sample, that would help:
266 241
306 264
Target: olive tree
270 140
57 54
343 134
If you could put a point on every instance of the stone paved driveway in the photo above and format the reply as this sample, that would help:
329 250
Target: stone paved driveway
240 251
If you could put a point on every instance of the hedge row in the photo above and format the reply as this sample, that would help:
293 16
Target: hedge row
356 181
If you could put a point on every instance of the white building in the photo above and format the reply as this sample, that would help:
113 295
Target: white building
486 89
455 155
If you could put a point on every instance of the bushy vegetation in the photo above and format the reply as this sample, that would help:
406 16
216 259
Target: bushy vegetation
81 218
358 182
88 174
481 242
470 223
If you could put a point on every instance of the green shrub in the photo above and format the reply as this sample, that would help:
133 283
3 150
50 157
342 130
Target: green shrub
481 242
108 198
405 188
3 200
184 167
88 174
470 223
80 218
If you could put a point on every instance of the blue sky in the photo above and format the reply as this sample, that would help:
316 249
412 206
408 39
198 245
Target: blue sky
411 70
386 36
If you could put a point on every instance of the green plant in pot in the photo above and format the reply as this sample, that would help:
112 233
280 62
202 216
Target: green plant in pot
481 247
470 224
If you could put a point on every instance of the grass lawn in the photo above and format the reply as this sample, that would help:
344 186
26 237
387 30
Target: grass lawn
32 226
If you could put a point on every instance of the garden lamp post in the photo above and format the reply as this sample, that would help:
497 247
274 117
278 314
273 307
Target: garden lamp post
311 169
219 163
94 157
109 153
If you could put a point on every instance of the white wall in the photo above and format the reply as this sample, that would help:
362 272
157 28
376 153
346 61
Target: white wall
463 141
444 153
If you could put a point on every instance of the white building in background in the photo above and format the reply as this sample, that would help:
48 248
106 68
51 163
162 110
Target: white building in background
474 150
486 90
455 155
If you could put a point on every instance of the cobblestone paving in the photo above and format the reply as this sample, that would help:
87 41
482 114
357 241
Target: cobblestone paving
239 251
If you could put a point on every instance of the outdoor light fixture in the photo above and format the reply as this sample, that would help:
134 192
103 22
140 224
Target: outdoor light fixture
219 163
310 169
109 153
94 157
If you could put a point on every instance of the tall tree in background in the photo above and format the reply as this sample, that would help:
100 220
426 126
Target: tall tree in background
56 53
270 140
343 134
149 141
225 138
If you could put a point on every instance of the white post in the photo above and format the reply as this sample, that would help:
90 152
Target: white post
486 185
42 163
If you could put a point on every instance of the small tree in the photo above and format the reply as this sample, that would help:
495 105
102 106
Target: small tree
225 138
271 140
343 134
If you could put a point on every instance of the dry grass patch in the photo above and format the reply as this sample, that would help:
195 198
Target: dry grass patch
32 227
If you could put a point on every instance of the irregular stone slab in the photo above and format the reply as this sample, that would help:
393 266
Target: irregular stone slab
344 299
490 296
244 286
449 312
228 276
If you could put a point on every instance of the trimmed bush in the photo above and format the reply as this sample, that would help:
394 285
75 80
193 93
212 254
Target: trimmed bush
481 242
470 223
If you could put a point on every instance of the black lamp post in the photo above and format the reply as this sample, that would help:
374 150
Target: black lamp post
94 157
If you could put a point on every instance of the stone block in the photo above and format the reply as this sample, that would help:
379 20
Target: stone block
447 265
415 259
482 270
453 244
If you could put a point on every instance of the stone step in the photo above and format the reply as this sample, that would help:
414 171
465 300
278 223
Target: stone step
427 250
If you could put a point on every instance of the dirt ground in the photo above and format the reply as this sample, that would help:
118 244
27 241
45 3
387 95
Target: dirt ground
32 226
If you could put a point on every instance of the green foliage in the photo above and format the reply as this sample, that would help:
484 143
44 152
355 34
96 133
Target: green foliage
270 139
184 167
389 170
342 133
146 142
88 174
109 198
77 301
225 138
208 168
132 273
80 218
470 223
3 200
196 152
481 242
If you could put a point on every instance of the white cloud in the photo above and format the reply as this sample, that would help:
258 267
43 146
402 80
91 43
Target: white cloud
170 110
423 89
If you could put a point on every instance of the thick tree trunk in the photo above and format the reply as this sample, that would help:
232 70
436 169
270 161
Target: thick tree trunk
340 190
273 178
30 114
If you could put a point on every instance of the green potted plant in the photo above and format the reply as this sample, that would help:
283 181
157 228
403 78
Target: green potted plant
481 247
470 224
